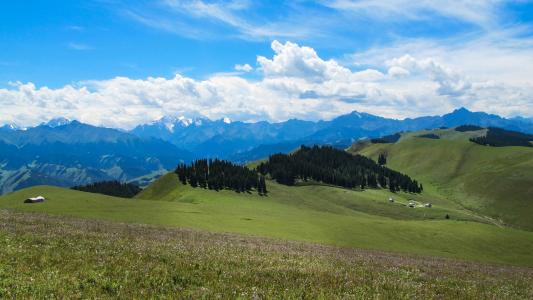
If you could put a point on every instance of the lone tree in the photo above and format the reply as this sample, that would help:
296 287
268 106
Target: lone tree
382 159
261 186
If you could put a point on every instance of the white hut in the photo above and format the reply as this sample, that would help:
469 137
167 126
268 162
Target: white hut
391 199
428 205
35 199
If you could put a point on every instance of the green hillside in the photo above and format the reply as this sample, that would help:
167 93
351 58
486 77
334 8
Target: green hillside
314 213
493 181
48 257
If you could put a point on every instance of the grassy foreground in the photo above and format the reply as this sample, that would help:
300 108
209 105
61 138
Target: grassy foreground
46 256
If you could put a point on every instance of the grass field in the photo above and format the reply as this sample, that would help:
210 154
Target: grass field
312 213
47 256
492 181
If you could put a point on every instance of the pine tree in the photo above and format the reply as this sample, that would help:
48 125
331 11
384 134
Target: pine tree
263 185
382 159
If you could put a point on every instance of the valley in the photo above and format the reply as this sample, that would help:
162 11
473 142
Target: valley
494 181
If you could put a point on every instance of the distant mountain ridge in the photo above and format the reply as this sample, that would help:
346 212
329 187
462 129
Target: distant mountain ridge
66 152
237 140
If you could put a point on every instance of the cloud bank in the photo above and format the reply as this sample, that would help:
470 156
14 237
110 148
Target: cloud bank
294 83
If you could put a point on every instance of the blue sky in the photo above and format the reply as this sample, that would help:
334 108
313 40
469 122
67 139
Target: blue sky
395 58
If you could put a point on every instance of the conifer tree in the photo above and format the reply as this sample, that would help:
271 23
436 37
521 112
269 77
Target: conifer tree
382 159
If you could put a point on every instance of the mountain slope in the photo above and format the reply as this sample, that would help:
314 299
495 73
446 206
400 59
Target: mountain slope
495 181
71 153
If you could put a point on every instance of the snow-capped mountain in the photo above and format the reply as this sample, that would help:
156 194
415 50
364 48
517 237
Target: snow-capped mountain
10 127
224 138
56 122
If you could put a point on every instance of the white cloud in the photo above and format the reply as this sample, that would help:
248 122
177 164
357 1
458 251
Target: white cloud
396 71
296 83
243 68
292 60
450 83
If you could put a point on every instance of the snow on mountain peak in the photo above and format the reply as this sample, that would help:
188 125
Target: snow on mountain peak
185 122
12 126
170 122
56 122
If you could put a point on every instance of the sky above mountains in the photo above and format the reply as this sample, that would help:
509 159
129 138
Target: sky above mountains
119 64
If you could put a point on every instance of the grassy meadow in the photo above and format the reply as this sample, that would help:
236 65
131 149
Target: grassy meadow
491 181
312 213
47 256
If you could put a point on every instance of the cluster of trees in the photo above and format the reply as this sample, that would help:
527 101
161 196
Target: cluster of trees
111 188
388 139
220 174
465 128
498 137
429 136
332 166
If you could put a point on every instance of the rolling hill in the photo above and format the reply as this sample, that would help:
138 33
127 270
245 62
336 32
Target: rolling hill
493 181
312 212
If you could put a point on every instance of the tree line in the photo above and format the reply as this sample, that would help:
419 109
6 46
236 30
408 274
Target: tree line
466 128
332 166
111 188
220 174
388 139
498 137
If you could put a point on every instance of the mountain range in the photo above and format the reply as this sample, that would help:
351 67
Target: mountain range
66 152
239 141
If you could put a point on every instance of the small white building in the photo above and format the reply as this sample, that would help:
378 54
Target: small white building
428 205
35 199
391 199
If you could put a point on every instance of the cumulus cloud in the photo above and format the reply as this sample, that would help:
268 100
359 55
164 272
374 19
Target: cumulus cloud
243 68
291 60
450 83
294 61
295 83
